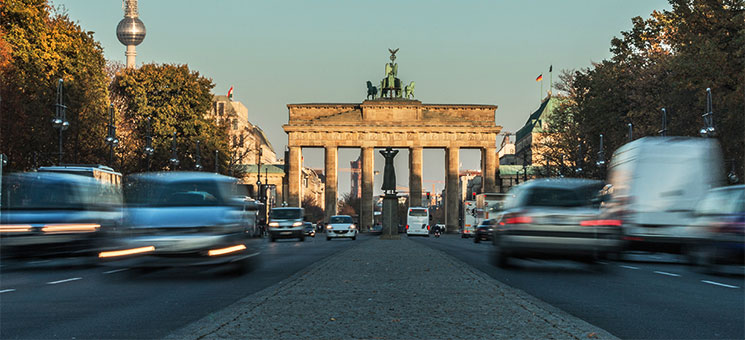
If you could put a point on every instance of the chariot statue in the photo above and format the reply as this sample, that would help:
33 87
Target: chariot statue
391 85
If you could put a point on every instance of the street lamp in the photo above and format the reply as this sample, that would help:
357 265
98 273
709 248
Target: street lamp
198 166
217 161
631 132
708 129
174 160
149 150
663 131
111 139
601 155
732 175
580 160
258 175
59 121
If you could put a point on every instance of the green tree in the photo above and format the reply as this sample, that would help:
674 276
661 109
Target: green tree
175 99
38 46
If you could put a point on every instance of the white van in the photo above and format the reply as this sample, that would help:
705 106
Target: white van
417 221
656 183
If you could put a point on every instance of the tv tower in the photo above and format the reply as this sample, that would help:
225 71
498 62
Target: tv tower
130 31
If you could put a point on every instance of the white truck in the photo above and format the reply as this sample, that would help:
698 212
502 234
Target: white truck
655 184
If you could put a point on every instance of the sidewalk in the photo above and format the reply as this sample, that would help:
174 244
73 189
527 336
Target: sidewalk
390 290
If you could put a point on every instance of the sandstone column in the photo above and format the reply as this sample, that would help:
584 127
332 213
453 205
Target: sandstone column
293 182
415 176
452 203
490 167
330 167
366 201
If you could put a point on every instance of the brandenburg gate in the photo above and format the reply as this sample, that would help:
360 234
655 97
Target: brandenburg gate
392 121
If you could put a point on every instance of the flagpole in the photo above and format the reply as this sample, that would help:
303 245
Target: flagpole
551 79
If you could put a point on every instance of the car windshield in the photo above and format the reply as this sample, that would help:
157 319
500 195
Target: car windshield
562 197
341 219
417 212
140 192
30 193
286 214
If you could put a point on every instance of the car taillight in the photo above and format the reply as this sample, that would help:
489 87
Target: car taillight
428 227
593 223
407 227
518 220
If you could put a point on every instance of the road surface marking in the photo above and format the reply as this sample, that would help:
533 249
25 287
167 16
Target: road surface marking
719 284
601 262
65 280
116 271
7 291
629 267
668 274
42 261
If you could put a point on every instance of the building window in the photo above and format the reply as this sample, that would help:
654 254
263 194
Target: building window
235 140
220 108
242 140
235 124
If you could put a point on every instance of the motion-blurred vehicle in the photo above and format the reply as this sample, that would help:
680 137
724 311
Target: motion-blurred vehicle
98 172
286 222
417 221
555 218
719 229
471 218
184 219
309 229
377 228
656 183
341 226
55 214
484 231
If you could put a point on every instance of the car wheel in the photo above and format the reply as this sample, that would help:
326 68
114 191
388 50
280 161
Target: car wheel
354 237
704 258
328 238
462 235
272 239
502 258
302 238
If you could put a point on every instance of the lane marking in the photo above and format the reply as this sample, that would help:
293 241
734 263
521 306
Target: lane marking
628 267
7 291
116 271
37 262
65 280
719 284
601 262
668 274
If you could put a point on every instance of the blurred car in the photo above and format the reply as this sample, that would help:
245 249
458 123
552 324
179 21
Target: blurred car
656 183
309 229
484 231
719 229
286 222
377 228
555 218
183 219
341 226
55 214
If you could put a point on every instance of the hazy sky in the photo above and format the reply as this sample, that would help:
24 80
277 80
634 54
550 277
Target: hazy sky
300 51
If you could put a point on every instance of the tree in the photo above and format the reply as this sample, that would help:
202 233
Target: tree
349 205
313 211
38 46
176 100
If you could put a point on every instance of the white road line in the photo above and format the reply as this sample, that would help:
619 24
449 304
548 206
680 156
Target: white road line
116 271
668 274
37 262
601 262
719 284
7 291
65 280
628 267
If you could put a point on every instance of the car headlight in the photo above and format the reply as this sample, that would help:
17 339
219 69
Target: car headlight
328 227
273 224
352 226
297 224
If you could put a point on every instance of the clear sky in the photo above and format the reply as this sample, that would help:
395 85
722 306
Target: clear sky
458 52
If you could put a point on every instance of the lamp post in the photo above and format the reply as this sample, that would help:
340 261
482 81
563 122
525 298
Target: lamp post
580 161
258 175
59 121
217 161
732 175
708 130
663 131
174 160
149 151
631 132
111 139
198 166
601 155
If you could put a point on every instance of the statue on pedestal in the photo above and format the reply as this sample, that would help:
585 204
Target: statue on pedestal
389 173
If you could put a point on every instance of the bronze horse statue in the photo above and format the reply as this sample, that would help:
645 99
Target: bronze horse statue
372 91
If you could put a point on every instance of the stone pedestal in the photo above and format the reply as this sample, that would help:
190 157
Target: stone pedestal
390 217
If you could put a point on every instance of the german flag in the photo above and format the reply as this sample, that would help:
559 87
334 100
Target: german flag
539 78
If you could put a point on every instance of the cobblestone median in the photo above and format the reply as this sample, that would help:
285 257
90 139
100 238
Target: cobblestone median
390 290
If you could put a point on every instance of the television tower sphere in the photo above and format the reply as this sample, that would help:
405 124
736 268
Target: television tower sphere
130 31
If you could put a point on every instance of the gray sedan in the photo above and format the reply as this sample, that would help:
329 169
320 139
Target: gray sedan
555 218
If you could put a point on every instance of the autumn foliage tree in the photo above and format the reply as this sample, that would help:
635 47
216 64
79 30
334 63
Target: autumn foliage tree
665 61
38 46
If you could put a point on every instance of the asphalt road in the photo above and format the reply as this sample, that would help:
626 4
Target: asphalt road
649 296
62 299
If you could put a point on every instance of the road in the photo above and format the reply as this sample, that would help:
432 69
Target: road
646 296
61 299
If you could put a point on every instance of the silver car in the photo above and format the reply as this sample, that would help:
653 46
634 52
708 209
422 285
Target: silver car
555 218
184 219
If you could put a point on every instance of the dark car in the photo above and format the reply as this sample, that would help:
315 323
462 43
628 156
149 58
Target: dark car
184 219
376 229
484 231
555 218
55 214
718 229
309 229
